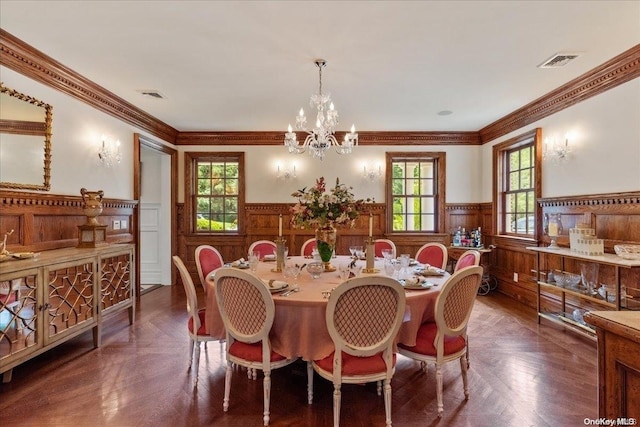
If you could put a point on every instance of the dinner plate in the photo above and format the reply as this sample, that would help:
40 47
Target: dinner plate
241 266
269 258
431 271
419 286
277 286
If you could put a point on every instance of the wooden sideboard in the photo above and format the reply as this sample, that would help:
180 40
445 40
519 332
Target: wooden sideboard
59 294
618 335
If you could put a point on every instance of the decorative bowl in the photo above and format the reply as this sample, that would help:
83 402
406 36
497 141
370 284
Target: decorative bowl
627 251
315 269
564 279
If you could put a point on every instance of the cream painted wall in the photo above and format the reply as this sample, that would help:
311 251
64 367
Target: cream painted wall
605 148
462 186
77 130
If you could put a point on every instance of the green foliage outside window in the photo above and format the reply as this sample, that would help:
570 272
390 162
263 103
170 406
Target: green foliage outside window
217 195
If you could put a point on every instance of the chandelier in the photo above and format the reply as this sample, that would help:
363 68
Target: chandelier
321 137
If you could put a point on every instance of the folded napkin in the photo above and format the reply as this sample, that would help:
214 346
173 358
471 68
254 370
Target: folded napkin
412 281
269 257
276 284
239 262
430 270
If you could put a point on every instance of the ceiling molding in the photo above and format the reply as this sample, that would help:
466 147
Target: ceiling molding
26 60
364 138
618 70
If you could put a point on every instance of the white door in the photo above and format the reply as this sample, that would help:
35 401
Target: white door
155 217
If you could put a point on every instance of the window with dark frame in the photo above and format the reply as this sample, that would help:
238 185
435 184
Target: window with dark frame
517 170
216 192
519 194
416 189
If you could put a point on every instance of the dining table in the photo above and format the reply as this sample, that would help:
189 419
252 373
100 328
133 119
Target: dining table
299 328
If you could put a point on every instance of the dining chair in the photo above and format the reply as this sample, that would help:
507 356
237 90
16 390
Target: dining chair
468 258
208 259
264 247
381 244
248 311
434 254
363 317
195 323
308 247
445 339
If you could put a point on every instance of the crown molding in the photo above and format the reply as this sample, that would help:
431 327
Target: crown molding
364 138
618 70
630 198
24 59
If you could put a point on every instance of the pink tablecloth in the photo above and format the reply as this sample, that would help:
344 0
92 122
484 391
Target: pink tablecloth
299 328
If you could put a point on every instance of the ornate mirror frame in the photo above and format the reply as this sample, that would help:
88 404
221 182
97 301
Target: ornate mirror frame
21 127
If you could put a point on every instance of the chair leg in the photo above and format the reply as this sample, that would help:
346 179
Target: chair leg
310 382
227 387
387 400
463 366
379 388
266 385
423 366
197 358
439 390
192 344
336 405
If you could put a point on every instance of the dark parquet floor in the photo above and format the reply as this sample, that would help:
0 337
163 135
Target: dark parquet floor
522 374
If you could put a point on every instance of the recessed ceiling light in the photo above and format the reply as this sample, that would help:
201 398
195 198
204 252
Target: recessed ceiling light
445 113
151 93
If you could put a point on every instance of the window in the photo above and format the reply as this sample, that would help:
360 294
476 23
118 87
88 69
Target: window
517 165
415 189
216 188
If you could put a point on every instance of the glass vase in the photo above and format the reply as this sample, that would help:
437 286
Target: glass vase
326 244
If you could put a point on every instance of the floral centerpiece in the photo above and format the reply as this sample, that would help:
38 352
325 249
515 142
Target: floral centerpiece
323 210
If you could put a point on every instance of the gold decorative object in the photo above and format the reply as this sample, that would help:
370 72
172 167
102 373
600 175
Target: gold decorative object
92 233
279 254
371 254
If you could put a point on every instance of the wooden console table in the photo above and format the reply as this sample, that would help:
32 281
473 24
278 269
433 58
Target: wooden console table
49 299
618 334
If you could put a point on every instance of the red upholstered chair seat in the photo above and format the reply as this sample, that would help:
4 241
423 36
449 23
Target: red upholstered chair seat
353 365
425 338
252 352
7 299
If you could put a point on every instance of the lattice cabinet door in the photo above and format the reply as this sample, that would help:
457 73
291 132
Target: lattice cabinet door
20 305
70 304
116 286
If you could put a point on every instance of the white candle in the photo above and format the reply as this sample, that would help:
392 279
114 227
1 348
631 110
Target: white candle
280 226
370 225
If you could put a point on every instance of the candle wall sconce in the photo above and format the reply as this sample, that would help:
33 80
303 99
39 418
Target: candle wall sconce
286 173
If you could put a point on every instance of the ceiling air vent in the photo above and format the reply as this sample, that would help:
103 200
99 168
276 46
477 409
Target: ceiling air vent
558 60
151 94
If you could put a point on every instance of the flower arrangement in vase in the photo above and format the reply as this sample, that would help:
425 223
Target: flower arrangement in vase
323 209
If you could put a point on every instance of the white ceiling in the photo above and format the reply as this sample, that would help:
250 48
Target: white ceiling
391 65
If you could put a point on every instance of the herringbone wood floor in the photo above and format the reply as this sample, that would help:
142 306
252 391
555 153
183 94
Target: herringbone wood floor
522 374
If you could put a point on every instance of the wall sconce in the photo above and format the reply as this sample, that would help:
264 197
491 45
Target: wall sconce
556 150
371 174
109 152
285 173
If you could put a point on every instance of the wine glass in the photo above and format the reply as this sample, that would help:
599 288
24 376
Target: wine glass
387 254
292 271
352 249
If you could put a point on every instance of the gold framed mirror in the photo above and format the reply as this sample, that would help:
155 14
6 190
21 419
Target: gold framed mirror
25 128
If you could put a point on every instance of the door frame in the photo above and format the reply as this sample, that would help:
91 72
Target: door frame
138 142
